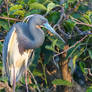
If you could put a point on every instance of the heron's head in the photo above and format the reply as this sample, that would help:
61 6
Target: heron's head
40 21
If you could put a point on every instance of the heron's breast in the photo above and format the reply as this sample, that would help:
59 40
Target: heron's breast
14 56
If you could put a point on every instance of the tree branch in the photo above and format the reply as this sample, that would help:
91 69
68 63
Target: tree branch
71 46
8 18
82 33
79 22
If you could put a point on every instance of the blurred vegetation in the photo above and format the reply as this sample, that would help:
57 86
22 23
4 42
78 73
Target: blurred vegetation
72 19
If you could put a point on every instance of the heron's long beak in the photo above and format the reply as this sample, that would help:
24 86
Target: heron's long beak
47 26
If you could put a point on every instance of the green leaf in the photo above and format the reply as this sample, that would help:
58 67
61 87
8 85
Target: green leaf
58 43
76 55
22 79
4 79
49 47
54 17
33 85
90 53
47 53
82 66
35 11
89 89
37 73
76 15
15 7
35 59
71 1
31 1
75 51
21 2
54 43
66 6
1 66
69 25
0 1
1 45
85 20
71 51
50 6
16 10
4 25
52 46
61 82
83 8
74 60
37 5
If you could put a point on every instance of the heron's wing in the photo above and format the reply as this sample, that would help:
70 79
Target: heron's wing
5 49
12 58
10 38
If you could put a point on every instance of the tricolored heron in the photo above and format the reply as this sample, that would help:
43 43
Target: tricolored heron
20 43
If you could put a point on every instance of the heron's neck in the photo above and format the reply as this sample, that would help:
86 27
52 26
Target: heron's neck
37 38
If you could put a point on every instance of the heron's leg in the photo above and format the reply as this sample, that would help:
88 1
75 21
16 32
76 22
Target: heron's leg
26 79
14 79
26 62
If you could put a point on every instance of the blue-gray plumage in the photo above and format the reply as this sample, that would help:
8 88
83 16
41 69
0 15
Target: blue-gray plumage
20 42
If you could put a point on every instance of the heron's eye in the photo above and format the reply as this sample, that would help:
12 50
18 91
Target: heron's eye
43 21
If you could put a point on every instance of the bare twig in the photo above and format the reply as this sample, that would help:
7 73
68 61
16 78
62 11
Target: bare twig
6 2
8 18
35 81
61 17
63 33
82 33
71 46
59 22
89 72
78 30
79 22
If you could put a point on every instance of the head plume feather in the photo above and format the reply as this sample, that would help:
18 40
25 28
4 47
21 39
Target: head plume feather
28 17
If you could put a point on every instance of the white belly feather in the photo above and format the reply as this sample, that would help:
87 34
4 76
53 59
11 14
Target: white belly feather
16 62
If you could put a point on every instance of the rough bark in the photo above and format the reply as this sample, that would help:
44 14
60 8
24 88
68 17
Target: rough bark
65 70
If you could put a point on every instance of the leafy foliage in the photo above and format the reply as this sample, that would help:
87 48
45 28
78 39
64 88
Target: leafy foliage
61 82
76 22
36 5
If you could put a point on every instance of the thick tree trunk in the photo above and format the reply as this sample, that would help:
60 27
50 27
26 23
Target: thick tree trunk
65 70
